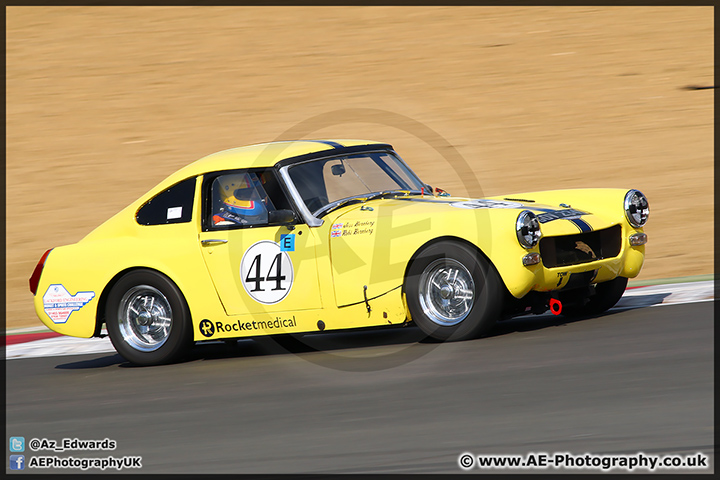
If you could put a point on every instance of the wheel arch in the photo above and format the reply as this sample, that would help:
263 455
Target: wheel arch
102 301
449 238
483 314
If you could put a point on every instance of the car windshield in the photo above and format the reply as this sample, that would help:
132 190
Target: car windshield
329 183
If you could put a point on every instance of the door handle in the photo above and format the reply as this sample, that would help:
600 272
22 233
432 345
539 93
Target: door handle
213 241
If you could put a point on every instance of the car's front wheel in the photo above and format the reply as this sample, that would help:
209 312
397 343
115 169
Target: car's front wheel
453 292
147 318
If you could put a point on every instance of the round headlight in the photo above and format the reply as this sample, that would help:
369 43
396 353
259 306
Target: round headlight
528 229
636 208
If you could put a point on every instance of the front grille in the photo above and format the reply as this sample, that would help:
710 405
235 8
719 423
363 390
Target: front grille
580 248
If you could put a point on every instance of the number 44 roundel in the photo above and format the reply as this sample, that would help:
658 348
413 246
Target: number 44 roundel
266 272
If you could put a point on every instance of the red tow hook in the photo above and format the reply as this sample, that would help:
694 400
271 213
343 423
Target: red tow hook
555 306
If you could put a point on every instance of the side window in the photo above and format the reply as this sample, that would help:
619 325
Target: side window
244 199
173 205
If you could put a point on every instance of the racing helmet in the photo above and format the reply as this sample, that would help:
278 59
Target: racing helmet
240 196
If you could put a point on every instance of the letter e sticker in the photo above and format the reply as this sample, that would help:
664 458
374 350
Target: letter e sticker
266 272
287 242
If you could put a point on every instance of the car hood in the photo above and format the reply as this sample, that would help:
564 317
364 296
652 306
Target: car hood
556 217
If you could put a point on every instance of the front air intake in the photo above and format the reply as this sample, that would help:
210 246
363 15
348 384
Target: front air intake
580 248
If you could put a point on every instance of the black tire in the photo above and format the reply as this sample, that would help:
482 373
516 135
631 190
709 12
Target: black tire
438 284
157 329
606 295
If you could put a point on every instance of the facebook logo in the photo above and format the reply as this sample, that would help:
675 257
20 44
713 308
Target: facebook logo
17 444
17 462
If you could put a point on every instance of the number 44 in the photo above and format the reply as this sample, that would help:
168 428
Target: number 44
257 279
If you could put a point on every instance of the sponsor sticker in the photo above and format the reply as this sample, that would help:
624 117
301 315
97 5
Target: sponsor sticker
59 304
480 203
549 216
174 212
266 272
207 328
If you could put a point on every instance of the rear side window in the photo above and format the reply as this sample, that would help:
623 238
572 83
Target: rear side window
173 205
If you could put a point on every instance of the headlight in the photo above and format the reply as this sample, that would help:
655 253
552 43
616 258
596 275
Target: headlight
636 208
528 229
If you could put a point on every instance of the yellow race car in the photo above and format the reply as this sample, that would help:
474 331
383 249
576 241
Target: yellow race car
313 235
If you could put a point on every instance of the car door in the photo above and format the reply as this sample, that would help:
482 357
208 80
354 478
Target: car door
256 267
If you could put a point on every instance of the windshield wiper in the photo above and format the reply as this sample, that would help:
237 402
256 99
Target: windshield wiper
362 198
322 211
387 193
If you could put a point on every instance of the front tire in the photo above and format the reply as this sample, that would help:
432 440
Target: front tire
148 319
453 292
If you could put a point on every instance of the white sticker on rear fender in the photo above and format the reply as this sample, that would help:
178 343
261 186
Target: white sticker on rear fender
479 203
59 304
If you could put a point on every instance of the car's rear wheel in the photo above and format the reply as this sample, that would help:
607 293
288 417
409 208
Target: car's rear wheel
606 295
148 319
453 292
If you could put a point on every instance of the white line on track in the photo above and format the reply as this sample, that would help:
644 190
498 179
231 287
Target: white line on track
58 346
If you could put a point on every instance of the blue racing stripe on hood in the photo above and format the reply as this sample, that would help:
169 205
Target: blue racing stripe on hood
581 224
570 215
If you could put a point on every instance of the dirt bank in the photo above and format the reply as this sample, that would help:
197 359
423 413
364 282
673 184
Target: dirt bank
104 102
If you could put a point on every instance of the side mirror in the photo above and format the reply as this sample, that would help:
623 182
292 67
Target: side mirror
281 217
337 170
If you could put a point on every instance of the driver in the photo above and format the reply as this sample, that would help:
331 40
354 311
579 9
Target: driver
242 203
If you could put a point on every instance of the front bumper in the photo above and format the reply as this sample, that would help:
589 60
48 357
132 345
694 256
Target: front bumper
561 267
600 257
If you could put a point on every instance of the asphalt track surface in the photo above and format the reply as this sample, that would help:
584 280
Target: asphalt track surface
630 381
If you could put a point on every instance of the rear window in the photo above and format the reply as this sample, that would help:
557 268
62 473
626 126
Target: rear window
173 205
